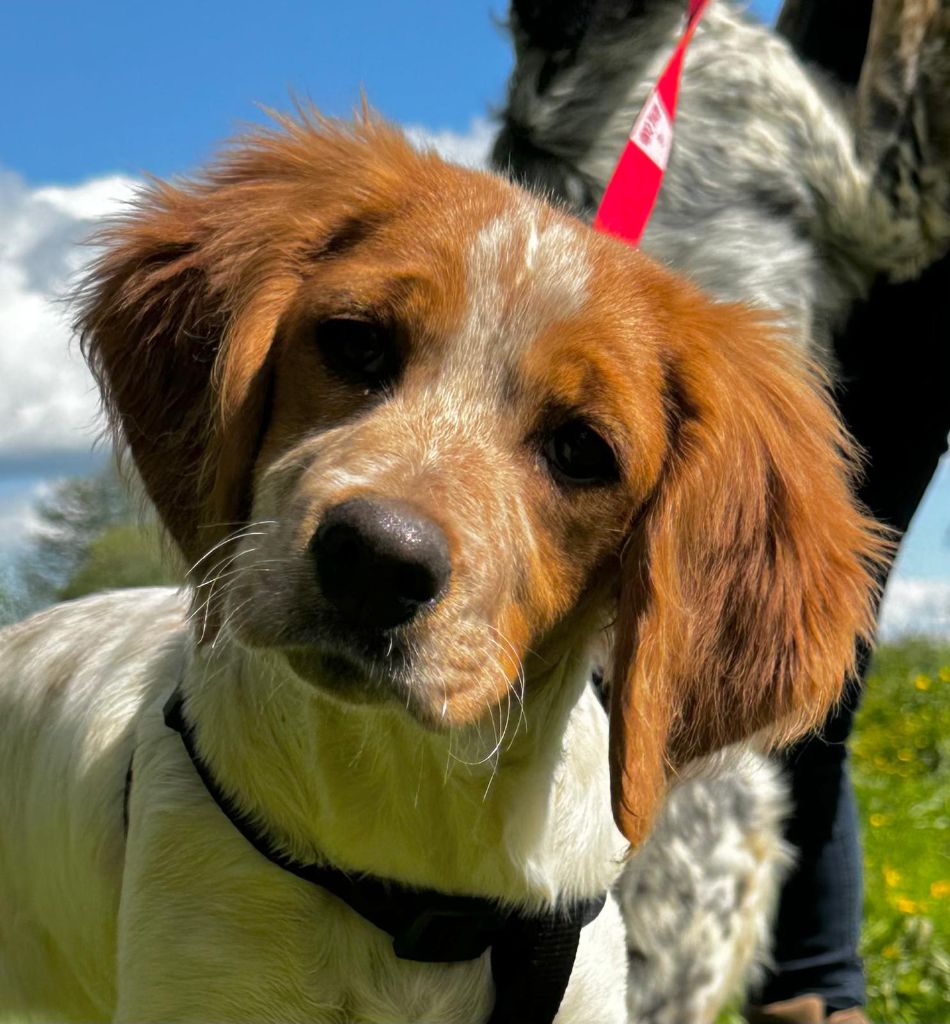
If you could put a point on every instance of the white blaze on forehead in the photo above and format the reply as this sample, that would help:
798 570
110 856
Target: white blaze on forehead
525 272
522 277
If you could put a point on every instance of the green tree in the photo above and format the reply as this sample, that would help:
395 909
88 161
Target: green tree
9 606
93 534
123 555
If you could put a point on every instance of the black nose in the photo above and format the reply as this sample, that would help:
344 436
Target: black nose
378 562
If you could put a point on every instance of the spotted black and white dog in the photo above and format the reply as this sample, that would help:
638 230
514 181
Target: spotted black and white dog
778 192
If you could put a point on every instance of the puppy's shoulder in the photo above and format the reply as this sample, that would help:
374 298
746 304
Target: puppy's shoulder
79 649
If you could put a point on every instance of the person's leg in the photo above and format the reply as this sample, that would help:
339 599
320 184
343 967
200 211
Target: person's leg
819 917
832 33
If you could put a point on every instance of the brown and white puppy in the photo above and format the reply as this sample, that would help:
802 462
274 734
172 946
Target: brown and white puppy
422 438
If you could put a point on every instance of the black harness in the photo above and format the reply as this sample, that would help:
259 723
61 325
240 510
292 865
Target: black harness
532 955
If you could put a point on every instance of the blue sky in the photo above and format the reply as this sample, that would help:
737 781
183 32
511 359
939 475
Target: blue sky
127 86
98 93
119 85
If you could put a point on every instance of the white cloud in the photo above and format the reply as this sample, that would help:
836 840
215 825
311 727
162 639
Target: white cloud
89 200
470 149
915 607
47 400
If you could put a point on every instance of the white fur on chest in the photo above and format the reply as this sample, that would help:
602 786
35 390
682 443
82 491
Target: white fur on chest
207 928
243 940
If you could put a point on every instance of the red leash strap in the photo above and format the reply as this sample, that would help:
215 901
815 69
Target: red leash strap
632 190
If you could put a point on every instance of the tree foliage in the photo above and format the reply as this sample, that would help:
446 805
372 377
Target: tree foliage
92 535
123 555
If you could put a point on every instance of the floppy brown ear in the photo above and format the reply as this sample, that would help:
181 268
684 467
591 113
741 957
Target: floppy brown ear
178 360
752 572
178 316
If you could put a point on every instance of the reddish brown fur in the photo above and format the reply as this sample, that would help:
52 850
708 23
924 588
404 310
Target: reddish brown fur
740 567
748 579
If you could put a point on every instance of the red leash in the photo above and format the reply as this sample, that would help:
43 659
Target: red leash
635 183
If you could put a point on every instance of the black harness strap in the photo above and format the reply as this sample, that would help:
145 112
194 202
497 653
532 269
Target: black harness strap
531 964
531 955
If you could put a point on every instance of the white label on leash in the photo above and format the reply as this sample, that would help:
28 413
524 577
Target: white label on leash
653 131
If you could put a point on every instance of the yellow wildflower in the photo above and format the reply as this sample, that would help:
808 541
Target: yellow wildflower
922 682
905 905
892 877
877 820
890 952
944 673
940 888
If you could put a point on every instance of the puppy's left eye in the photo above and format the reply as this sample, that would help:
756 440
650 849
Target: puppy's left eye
579 456
360 351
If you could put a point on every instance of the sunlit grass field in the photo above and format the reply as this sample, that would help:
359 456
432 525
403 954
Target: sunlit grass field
901 768
902 773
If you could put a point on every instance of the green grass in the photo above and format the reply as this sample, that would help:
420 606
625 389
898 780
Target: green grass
901 753
901 769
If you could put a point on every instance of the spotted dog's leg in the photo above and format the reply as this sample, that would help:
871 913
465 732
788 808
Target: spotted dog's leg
903 126
699 895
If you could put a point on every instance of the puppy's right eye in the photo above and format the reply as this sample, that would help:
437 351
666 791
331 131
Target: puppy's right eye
360 351
579 457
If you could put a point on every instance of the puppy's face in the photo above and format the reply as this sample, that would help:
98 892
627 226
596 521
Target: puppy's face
449 467
416 429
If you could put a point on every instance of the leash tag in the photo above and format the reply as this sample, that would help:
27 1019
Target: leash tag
631 192
653 131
